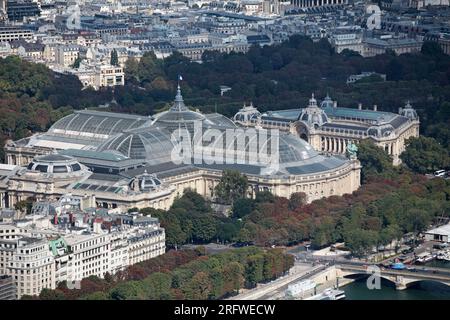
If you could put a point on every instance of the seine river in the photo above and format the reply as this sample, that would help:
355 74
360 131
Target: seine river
421 291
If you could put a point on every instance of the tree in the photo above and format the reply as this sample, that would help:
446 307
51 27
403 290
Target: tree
297 200
157 286
242 207
97 296
264 197
131 290
232 186
425 155
431 48
77 62
199 287
114 61
204 229
233 277
132 69
48 294
254 270
25 205
374 160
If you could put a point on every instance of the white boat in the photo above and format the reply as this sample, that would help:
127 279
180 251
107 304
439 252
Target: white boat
300 288
329 294
443 256
424 258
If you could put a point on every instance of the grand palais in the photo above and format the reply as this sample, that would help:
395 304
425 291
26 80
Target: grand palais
115 160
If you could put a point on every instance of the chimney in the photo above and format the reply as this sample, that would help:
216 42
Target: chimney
360 106
400 110
334 104
375 107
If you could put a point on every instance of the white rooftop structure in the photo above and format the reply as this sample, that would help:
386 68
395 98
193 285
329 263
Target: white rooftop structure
439 234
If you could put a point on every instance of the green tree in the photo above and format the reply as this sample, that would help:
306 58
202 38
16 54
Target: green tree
425 155
77 62
254 270
132 69
296 200
233 277
232 186
131 290
157 286
199 287
431 48
374 160
114 61
48 294
97 296
25 205
242 207
204 229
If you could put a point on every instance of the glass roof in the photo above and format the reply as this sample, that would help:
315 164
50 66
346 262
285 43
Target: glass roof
95 124
151 144
359 114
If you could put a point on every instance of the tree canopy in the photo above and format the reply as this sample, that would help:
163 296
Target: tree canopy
425 155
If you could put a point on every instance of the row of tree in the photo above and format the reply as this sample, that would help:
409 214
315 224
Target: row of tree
191 275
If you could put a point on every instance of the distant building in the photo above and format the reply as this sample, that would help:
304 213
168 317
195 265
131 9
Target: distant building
330 129
317 3
100 75
65 55
17 10
31 51
441 234
375 46
443 39
8 33
347 39
355 77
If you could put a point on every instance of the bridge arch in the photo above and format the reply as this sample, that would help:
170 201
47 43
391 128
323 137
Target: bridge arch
437 283
359 276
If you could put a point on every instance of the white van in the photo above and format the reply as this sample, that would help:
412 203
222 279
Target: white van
439 173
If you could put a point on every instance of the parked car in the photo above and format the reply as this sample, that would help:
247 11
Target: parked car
409 250
440 173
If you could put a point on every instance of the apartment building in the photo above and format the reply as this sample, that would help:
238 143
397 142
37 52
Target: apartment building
8 33
32 266
74 247
66 55
7 288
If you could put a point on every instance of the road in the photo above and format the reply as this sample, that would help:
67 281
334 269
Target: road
277 287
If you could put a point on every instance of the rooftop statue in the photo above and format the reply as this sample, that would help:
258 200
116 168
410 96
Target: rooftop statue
352 150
